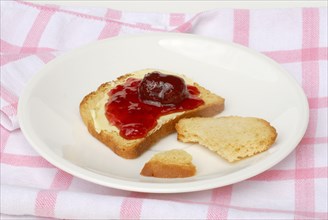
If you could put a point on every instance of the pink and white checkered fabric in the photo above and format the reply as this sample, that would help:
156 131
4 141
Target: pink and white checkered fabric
296 188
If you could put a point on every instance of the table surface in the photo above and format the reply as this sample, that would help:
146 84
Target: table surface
180 6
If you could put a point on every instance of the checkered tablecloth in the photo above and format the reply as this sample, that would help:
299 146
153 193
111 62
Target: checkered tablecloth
296 188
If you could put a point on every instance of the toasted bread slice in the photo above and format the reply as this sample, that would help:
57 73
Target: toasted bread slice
92 111
232 137
169 164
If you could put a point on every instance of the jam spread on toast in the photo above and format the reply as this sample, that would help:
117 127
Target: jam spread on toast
135 106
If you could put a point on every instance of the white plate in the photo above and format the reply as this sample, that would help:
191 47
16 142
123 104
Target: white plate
252 84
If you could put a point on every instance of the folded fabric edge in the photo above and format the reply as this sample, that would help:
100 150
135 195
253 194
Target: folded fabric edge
9 122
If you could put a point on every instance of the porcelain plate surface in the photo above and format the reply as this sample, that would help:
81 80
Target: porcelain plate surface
252 85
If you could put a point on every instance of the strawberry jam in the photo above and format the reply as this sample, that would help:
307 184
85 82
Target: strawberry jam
135 106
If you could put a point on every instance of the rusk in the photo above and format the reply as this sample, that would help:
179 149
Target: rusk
231 137
134 148
169 164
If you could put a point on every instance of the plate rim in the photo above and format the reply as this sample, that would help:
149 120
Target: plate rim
147 187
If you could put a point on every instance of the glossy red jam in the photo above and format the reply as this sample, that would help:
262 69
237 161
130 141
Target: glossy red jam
162 90
135 106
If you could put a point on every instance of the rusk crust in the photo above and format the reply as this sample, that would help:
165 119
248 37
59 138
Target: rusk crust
162 170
